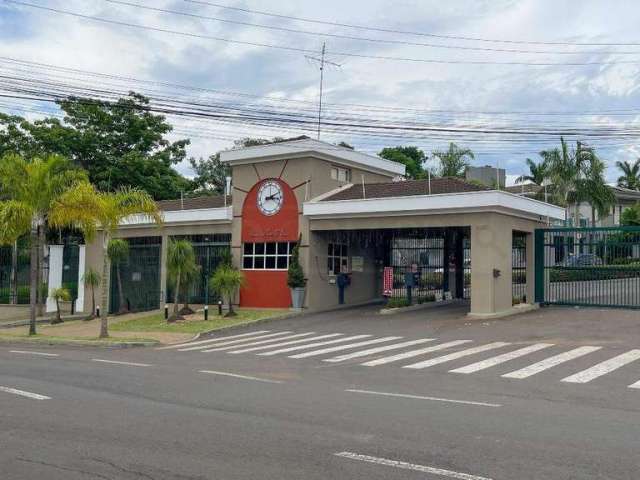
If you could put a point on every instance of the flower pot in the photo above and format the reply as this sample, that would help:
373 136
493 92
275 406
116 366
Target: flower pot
297 297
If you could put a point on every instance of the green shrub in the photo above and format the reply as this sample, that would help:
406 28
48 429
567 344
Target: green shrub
398 302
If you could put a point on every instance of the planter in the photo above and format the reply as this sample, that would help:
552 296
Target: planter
297 297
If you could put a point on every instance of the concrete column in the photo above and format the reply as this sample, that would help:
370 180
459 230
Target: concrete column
491 244
81 270
163 270
530 291
55 273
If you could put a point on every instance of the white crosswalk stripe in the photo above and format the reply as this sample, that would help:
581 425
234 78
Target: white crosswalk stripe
414 353
505 357
339 348
372 351
551 362
454 356
211 340
284 344
313 345
232 342
604 367
261 342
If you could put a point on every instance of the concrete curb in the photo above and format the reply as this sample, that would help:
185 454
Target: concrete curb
76 343
420 306
40 321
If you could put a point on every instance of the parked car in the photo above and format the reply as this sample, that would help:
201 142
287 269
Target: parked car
582 260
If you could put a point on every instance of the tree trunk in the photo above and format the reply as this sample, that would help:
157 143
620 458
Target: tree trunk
33 279
104 326
123 305
58 317
14 275
231 312
42 294
174 315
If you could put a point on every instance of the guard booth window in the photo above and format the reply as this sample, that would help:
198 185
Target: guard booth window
267 255
337 258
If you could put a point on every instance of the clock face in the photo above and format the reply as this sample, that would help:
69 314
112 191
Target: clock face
270 197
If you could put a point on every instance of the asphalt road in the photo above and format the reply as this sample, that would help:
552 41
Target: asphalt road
160 416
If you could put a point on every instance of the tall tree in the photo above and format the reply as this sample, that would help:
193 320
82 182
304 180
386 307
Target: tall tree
453 161
630 177
537 173
118 252
412 157
181 260
30 191
90 210
92 279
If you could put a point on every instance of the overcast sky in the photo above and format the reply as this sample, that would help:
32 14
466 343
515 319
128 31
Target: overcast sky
462 91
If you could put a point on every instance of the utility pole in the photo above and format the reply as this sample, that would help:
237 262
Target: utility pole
322 61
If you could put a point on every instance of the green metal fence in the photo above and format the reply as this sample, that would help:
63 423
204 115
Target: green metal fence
70 261
519 267
14 273
588 266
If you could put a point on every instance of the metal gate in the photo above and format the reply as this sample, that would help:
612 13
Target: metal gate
140 276
588 266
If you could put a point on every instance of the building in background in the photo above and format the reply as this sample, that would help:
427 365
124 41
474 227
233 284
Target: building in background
487 175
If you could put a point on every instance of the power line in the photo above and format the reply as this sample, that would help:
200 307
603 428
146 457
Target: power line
304 50
366 39
408 32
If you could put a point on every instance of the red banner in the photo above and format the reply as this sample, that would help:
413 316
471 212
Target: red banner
387 282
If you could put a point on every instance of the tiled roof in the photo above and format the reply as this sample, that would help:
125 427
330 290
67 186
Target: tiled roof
406 189
195 203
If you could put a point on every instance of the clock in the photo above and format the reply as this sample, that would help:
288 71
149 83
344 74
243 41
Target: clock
270 197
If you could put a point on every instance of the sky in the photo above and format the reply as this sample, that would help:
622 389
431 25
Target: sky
604 94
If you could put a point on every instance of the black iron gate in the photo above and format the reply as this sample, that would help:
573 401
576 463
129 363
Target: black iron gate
588 266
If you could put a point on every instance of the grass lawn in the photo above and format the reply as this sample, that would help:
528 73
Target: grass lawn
196 324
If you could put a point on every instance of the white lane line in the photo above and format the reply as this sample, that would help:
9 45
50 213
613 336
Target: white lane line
211 340
30 352
604 367
223 342
413 353
243 377
372 351
261 342
550 362
344 347
505 357
635 385
116 362
454 356
284 344
22 393
421 397
410 466
313 345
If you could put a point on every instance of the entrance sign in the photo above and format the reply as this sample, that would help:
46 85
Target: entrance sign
387 288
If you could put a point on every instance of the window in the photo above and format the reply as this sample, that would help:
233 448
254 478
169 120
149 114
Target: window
337 258
340 174
267 255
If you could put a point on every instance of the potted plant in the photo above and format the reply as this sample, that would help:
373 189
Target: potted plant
295 279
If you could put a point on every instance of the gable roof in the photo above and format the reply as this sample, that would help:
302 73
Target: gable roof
405 189
313 148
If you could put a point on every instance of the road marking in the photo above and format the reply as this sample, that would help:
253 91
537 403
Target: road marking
116 362
210 340
223 341
550 362
344 347
243 377
410 466
29 352
371 351
420 397
284 344
604 367
261 342
635 385
413 353
22 393
312 345
454 356
505 357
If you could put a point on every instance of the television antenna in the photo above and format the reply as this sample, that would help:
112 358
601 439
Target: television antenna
322 61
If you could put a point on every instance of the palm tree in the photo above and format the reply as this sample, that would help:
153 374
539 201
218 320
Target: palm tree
537 173
118 252
59 295
454 161
181 260
630 175
90 210
189 276
30 190
92 279
226 281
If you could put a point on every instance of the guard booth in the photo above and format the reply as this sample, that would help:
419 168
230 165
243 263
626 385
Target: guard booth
588 266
